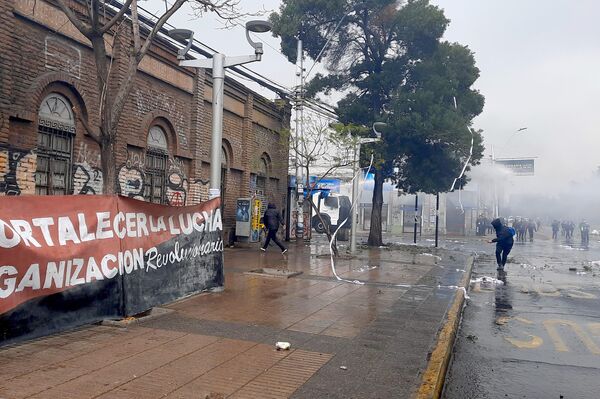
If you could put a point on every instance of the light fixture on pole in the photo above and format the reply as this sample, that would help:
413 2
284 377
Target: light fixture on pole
355 199
218 63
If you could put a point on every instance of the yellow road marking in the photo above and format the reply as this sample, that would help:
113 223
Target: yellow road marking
559 344
580 294
534 342
594 328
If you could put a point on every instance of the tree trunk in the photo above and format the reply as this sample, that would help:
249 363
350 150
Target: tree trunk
375 238
108 162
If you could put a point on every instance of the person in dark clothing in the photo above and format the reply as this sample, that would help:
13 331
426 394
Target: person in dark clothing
531 227
272 219
504 243
584 229
555 228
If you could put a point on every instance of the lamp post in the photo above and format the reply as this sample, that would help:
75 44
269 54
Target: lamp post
493 158
218 63
355 199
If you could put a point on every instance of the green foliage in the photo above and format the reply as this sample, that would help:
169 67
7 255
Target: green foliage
390 61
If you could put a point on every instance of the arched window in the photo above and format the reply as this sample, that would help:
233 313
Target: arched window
56 131
156 165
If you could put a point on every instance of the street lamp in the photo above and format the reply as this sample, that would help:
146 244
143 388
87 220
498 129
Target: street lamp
493 158
218 64
355 199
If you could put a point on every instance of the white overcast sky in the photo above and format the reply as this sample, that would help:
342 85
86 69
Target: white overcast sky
540 66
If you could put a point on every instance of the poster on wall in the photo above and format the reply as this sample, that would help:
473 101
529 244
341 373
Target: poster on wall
72 260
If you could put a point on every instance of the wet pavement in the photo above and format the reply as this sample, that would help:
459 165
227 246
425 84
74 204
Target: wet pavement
537 335
369 336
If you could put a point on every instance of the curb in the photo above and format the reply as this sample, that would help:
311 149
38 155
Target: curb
124 323
435 373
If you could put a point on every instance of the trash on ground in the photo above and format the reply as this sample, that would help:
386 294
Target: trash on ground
366 268
581 273
282 346
572 248
572 269
502 320
527 266
344 367
487 282
435 256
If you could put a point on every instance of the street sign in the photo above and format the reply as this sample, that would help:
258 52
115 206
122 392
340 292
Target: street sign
519 166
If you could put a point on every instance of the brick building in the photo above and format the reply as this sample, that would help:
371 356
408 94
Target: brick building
48 84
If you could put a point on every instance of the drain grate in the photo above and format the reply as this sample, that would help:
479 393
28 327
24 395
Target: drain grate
273 272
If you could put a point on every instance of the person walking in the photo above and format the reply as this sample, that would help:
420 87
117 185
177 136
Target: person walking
272 220
504 242
531 227
555 228
584 230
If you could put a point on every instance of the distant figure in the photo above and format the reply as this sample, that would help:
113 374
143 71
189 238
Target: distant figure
570 229
272 220
584 230
522 230
555 228
488 226
504 243
480 227
531 227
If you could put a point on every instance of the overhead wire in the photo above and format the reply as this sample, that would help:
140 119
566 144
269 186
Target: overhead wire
207 51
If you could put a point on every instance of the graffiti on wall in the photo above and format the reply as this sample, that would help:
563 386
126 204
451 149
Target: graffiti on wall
131 176
180 190
59 55
87 175
17 168
87 180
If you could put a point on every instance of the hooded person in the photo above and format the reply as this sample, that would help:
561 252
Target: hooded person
272 219
504 242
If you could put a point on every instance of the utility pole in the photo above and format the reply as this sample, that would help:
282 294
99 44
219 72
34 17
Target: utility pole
416 217
437 217
355 199
298 138
496 207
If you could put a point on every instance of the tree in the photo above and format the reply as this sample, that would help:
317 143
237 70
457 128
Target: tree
116 69
322 149
382 55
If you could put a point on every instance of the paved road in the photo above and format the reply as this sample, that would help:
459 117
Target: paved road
537 335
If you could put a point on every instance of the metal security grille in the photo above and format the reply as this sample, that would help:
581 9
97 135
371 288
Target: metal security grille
155 177
54 156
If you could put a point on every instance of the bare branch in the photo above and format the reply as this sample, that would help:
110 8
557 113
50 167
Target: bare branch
135 27
157 27
81 26
117 17
226 10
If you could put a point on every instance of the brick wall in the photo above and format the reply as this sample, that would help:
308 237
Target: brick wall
44 54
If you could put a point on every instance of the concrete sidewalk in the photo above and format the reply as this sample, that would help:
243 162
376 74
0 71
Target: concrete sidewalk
371 340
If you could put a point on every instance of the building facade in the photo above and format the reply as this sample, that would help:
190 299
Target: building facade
48 92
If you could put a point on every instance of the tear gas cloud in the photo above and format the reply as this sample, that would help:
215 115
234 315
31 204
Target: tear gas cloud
520 196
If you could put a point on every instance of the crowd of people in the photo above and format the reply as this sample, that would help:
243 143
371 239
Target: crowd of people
525 228
566 228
